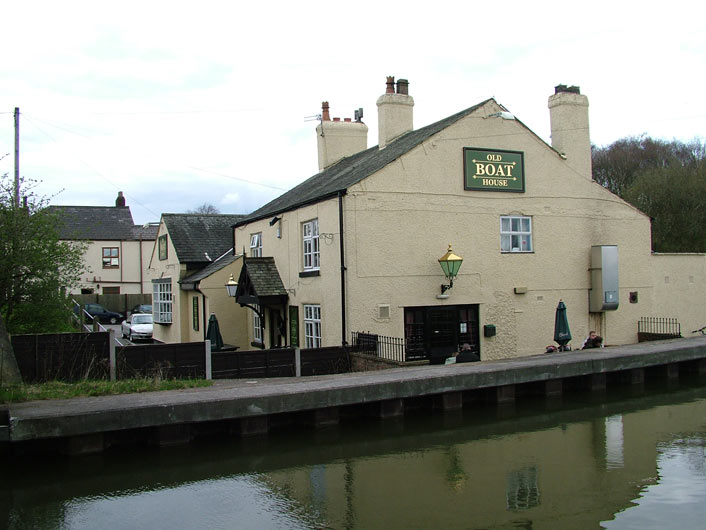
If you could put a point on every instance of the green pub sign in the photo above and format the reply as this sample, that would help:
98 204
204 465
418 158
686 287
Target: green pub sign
493 170
294 326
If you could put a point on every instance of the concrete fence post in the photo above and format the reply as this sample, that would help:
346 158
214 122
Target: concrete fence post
298 361
209 374
111 353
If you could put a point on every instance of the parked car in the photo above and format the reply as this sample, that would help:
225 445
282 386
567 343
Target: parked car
137 326
141 308
102 314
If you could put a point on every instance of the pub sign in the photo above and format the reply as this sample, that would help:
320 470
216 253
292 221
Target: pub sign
294 326
493 170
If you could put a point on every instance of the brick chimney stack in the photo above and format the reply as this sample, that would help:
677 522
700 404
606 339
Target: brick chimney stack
568 114
120 200
395 108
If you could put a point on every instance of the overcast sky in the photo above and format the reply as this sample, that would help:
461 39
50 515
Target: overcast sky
177 104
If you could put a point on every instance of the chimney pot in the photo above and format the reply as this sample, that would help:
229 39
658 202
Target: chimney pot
390 89
573 89
120 200
347 119
337 119
324 111
403 87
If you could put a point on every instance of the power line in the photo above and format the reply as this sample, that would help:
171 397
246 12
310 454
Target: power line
89 166
238 178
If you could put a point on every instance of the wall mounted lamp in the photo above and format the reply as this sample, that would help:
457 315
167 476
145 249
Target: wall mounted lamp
231 286
450 264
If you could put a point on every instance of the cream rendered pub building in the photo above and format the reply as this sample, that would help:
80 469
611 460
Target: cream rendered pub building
357 245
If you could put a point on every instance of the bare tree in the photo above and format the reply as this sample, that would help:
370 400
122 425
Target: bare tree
206 207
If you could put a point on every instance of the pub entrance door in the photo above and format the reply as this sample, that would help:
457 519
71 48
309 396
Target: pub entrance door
441 331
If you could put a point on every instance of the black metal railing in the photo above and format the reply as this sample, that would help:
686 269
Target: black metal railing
393 348
657 328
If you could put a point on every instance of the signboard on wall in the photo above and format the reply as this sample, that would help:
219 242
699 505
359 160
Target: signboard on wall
294 326
493 170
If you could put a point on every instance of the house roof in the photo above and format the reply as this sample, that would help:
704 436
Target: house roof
100 223
200 238
220 263
351 170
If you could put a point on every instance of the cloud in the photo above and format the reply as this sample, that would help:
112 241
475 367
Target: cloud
181 106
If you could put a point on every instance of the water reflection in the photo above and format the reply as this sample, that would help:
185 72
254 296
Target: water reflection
679 496
626 461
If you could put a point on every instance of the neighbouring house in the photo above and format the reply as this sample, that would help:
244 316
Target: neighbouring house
191 262
357 247
117 257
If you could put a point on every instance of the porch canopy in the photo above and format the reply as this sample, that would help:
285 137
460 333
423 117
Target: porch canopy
259 284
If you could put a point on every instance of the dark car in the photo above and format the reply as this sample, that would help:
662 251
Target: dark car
141 308
102 314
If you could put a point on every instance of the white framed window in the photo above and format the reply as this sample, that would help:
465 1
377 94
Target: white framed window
162 300
515 234
256 325
310 235
312 326
256 245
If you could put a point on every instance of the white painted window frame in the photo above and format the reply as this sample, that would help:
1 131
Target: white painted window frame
516 234
312 326
162 301
256 245
310 242
257 325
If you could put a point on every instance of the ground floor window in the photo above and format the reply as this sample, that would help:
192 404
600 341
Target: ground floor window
111 290
257 325
312 326
162 300
435 332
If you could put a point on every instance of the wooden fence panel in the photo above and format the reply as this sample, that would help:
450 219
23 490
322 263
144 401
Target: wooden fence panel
62 356
253 364
182 360
320 361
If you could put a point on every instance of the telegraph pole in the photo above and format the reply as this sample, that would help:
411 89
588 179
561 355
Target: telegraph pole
17 157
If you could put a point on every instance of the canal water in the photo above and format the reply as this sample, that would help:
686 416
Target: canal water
634 458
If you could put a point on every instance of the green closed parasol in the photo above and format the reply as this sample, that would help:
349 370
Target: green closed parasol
562 333
213 333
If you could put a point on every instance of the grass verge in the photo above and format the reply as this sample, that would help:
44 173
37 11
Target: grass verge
58 390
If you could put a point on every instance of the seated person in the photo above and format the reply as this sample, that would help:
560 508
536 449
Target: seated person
591 335
466 355
593 342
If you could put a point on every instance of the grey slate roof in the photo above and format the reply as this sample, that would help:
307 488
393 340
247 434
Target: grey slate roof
196 235
217 265
146 232
100 223
351 170
265 277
